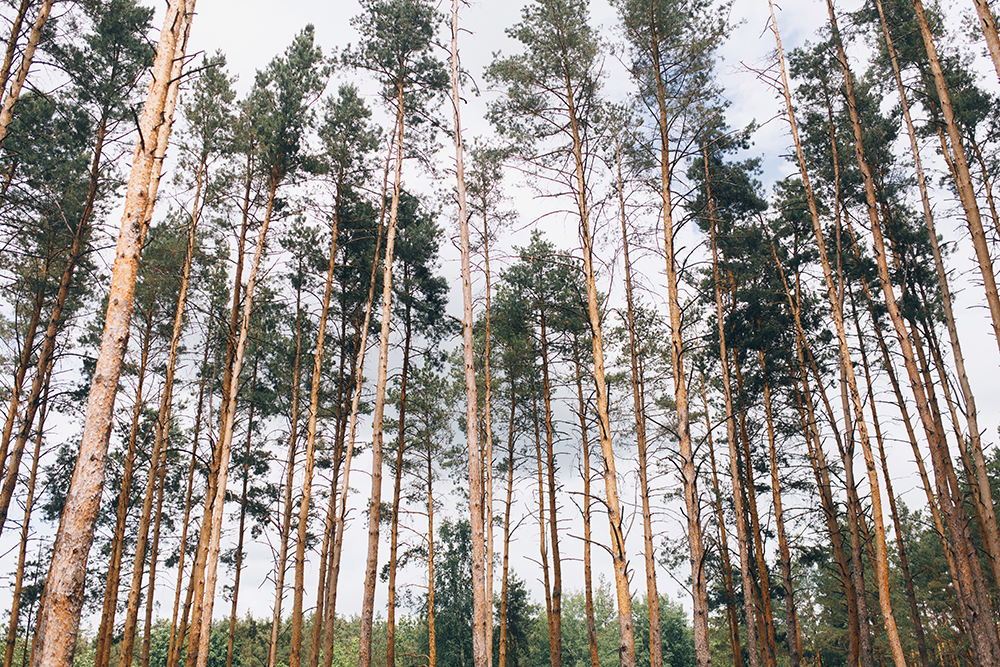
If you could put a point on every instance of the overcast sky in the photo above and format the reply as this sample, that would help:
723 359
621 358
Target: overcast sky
251 32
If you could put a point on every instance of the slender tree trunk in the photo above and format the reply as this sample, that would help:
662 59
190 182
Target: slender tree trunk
543 549
224 447
24 361
177 633
59 612
397 486
154 555
353 420
626 645
963 178
241 531
785 556
639 408
741 537
766 617
22 554
12 40
504 577
989 25
11 96
295 656
904 564
431 631
286 515
588 584
555 613
375 505
105 632
992 533
482 650
821 472
727 569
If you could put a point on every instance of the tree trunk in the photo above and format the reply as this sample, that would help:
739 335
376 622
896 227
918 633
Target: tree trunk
766 617
482 650
59 613
639 408
154 554
286 515
295 656
504 580
555 613
741 537
588 585
241 531
785 556
989 25
224 447
963 178
22 554
992 533
390 656
375 505
626 645
105 632
11 96
12 40
177 634
727 569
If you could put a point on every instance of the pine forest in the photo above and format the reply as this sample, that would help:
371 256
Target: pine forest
550 333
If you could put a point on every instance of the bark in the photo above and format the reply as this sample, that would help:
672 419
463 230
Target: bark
482 649
989 25
59 613
588 585
992 533
286 516
554 617
741 537
639 410
626 646
300 545
11 96
727 569
12 40
505 572
105 633
22 554
431 632
224 446
785 557
375 505
963 178
397 488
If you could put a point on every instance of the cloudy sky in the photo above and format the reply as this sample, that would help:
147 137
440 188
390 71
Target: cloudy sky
251 32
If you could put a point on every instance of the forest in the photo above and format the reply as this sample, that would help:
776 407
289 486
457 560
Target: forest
299 370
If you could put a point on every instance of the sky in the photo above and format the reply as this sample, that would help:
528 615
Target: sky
251 32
